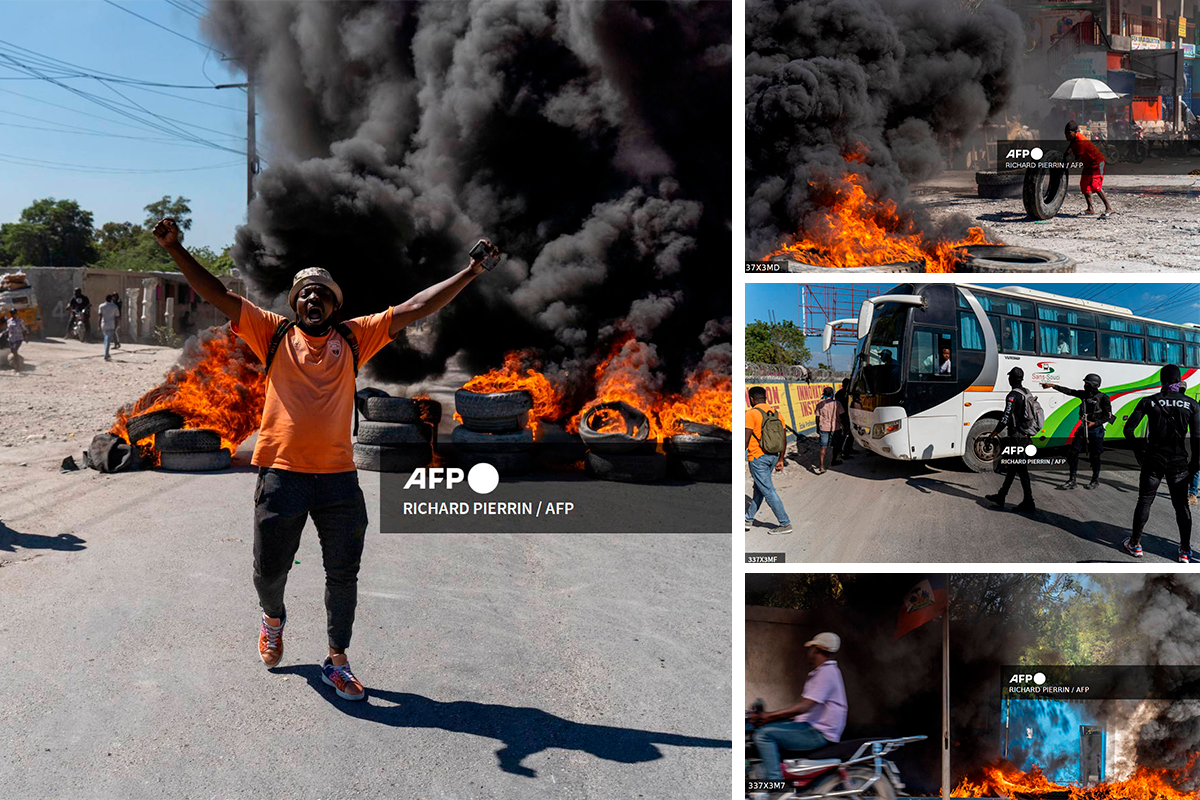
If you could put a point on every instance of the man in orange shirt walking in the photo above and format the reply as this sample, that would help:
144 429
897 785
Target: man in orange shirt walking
304 455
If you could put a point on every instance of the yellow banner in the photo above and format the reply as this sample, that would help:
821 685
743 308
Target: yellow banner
796 403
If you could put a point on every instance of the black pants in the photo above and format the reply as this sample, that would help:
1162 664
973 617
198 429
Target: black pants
283 502
1093 442
836 441
847 439
1177 484
1013 472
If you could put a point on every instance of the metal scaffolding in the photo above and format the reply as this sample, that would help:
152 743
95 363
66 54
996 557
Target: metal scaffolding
818 303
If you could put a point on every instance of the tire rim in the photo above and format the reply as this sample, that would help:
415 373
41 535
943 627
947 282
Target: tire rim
983 449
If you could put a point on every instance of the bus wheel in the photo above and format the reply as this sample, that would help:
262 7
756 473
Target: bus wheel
980 453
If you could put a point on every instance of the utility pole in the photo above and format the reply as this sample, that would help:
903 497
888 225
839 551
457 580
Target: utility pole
251 142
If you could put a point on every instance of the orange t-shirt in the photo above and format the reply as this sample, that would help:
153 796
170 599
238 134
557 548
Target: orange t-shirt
310 390
754 423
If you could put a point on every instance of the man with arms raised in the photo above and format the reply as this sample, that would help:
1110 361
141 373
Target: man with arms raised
304 455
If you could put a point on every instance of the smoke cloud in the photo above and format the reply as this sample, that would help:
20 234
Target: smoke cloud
588 140
894 81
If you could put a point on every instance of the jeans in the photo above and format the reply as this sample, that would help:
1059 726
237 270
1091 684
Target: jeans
823 438
108 338
1093 442
773 736
283 502
764 489
1177 480
1195 484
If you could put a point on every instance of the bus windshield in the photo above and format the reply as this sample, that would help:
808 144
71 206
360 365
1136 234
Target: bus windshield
877 363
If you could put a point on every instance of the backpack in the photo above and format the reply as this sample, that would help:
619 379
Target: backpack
774 438
287 324
1035 417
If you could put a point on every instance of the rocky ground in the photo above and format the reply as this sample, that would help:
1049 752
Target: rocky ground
1155 227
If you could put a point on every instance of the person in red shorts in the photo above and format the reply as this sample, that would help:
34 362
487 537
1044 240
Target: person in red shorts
1092 179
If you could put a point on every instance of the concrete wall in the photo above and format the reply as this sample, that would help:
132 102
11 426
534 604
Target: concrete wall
54 287
776 659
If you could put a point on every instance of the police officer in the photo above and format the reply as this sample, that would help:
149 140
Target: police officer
1016 411
1170 416
1095 411
843 436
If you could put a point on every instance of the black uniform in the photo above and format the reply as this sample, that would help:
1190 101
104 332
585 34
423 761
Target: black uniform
843 442
83 305
1015 412
1172 417
1094 407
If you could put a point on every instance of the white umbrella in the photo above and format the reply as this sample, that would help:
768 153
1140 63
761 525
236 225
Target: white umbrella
1084 89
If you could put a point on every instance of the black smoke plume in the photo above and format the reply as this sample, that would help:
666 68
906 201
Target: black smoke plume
895 80
590 141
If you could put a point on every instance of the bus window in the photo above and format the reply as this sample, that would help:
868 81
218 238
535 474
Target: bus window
996 331
1122 348
1005 305
932 355
1193 355
1165 352
1016 336
1065 316
1059 340
970 334
1165 333
1120 325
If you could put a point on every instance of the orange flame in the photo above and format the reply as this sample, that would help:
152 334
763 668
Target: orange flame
223 391
860 231
1146 783
521 371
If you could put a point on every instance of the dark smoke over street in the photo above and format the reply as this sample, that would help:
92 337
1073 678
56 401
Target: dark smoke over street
588 140
890 81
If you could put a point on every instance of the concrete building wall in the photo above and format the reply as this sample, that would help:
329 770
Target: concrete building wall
776 659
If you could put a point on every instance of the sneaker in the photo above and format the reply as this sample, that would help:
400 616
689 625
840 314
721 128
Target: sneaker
1095 482
1185 557
342 680
1133 550
1070 484
1193 499
780 529
270 642
998 499
749 525
1025 506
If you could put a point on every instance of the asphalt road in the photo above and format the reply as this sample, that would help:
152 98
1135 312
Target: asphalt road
875 509
497 666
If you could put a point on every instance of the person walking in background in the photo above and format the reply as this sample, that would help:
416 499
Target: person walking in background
116 337
1171 419
845 442
764 456
829 422
109 315
1017 419
16 329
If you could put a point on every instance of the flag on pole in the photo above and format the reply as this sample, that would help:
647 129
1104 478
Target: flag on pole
923 603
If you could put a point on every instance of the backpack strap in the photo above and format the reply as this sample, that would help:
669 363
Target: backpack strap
281 331
351 340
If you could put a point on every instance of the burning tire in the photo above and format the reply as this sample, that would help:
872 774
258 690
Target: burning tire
627 468
706 470
690 445
467 440
395 433
637 428
493 412
1002 258
147 425
505 463
1044 190
376 458
188 440
195 462
401 409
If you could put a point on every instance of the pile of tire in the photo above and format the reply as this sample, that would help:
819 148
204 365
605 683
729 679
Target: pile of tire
701 453
179 449
495 430
396 434
630 456
998 185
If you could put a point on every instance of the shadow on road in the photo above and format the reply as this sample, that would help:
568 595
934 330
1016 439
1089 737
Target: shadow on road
10 540
524 731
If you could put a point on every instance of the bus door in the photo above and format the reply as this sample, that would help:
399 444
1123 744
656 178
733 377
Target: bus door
934 408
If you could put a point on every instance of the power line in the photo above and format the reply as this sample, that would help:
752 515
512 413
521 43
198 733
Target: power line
41 164
184 9
157 25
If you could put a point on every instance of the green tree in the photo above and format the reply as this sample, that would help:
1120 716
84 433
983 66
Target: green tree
776 343
113 236
50 232
170 207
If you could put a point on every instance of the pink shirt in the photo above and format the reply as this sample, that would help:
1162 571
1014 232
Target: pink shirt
825 688
828 411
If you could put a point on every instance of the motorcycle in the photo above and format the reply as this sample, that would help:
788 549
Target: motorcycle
855 768
1133 148
77 326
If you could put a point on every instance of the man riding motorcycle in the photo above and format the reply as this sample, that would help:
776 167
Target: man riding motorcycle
819 717
80 305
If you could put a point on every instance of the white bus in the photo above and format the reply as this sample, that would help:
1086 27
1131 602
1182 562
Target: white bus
930 373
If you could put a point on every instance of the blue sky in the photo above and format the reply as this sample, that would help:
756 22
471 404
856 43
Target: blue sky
61 139
1170 302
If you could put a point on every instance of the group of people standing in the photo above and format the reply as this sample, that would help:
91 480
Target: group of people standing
1163 454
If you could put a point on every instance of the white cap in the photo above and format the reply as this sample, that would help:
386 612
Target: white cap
829 642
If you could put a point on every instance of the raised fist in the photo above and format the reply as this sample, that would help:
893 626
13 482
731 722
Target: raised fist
166 232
